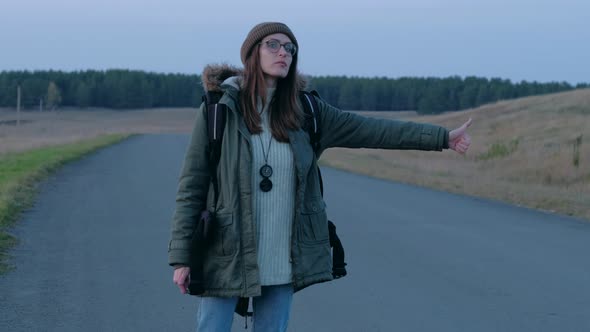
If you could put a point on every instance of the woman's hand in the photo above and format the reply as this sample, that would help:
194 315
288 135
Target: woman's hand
459 140
182 278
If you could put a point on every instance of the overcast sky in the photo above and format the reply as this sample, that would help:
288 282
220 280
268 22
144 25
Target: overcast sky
515 39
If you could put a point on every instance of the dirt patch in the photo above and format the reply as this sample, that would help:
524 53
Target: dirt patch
39 129
14 122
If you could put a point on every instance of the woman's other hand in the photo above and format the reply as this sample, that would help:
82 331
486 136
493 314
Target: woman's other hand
459 140
182 278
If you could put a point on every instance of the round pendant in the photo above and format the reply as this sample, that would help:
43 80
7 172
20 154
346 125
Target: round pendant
266 171
265 185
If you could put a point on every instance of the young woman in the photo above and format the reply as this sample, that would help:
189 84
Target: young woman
271 236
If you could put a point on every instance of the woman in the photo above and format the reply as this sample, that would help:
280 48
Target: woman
271 236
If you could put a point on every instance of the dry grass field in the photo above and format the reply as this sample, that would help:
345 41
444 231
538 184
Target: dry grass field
532 151
523 152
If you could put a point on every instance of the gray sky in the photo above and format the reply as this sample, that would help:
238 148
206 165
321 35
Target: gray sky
515 39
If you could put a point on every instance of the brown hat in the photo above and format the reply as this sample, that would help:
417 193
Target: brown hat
262 30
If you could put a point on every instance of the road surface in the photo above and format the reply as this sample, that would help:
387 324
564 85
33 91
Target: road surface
92 256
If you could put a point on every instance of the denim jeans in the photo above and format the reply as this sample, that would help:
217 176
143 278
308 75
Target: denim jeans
271 311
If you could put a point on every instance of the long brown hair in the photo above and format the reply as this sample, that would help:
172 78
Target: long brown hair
285 113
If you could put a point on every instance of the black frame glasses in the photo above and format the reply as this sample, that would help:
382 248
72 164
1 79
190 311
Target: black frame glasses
274 46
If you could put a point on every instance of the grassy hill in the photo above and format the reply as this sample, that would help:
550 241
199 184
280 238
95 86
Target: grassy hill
531 151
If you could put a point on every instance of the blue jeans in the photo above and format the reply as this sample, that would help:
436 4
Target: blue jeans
271 310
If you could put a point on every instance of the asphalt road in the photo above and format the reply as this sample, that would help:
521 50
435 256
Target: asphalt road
92 256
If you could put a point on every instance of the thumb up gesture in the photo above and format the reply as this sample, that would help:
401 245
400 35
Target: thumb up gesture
459 140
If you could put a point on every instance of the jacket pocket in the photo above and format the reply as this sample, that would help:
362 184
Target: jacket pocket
313 222
224 241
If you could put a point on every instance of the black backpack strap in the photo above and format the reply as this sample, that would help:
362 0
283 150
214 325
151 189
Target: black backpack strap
338 264
312 110
312 124
242 307
216 113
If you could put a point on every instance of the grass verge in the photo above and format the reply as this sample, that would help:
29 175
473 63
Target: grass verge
21 172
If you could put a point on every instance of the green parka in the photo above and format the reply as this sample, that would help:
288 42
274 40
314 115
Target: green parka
230 264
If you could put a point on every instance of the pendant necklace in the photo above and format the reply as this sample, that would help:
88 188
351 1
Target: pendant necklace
265 170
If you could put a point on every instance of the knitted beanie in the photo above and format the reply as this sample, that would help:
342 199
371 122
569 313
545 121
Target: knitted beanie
262 30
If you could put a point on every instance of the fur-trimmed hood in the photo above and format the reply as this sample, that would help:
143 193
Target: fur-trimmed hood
215 75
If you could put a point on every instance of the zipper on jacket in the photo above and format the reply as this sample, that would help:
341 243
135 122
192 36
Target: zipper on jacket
295 223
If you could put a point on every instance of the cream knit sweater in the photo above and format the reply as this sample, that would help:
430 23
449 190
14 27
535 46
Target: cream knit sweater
273 210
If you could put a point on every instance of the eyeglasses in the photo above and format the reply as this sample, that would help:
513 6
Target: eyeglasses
274 46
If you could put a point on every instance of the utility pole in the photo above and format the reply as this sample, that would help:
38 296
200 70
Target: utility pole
18 106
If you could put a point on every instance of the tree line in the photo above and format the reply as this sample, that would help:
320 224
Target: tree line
429 95
116 89
128 89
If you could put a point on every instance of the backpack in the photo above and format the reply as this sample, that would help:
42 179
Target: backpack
216 117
